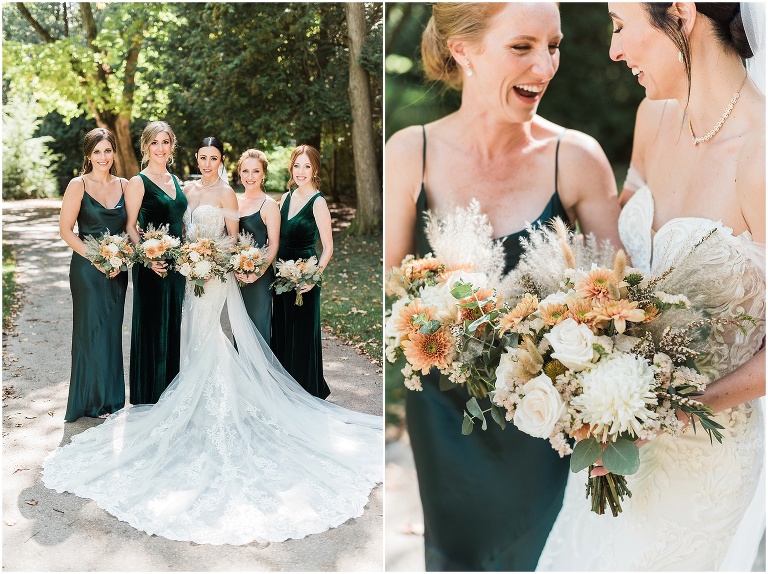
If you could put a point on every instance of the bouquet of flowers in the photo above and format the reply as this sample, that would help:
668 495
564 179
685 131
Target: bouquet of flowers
201 260
446 305
156 245
110 252
247 258
290 275
608 358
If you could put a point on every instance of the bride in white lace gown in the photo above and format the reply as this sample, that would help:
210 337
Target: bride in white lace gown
235 450
695 505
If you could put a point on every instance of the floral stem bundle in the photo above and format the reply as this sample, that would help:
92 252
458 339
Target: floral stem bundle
202 260
295 274
246 258
109 252
156 245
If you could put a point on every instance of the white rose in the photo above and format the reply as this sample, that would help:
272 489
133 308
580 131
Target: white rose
171 240
540 408
194 256
390 331
112 248
150 243
185 269
572 343
115 262
439 296
556 298
202 268
115 238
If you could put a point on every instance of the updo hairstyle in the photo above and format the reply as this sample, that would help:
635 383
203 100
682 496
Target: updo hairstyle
259 155
468 21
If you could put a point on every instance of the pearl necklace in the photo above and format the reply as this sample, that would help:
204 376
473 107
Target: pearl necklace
210 184
720 122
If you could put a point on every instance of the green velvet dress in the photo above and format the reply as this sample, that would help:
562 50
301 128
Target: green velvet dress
296 339
96 383
489 498
156 326
257 296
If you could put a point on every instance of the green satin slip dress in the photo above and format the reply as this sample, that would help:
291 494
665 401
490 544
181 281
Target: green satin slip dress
96 382
489 498
257 296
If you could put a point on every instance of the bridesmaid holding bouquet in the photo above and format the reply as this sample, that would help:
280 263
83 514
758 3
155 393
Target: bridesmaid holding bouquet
304 217
95 201
259 216
154 196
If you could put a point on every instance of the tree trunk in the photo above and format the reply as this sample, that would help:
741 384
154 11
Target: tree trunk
368 215
125 159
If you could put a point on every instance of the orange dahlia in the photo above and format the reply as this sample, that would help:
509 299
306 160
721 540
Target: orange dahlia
620 312
426 351
553 313
524 308
598 284
404 322
473 313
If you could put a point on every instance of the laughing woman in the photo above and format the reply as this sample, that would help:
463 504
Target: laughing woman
154 196
95 201
521 168
259 216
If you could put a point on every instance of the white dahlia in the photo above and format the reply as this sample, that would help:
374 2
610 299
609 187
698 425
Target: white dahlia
202 268
617 395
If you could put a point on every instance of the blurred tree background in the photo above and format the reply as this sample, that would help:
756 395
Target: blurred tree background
267 75
589 93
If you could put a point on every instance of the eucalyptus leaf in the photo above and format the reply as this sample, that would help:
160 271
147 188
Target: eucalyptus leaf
467 425
474 408
476 323
622 457
498 416
429 327
585 453
462 290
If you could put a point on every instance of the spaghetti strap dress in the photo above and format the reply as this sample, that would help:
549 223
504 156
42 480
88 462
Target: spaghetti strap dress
96 382
156 324
257 296
296 339
467 525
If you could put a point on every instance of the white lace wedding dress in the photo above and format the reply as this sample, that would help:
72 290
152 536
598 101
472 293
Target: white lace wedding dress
235 450
695 505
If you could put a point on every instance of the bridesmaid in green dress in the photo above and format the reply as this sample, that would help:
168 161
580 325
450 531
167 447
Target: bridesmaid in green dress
95 200
259 216
304 216
155 196
490 498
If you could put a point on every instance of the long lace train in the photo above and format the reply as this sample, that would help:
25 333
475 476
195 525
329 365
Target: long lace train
234 451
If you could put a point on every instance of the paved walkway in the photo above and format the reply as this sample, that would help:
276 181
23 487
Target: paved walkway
46 531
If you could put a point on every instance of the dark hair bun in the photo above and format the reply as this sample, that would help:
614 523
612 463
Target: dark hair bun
739 37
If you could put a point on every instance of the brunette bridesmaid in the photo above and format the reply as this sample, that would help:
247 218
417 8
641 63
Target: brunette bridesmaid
154 196
259 216
95 201
304 217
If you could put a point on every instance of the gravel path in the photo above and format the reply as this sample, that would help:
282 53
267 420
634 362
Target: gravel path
46 531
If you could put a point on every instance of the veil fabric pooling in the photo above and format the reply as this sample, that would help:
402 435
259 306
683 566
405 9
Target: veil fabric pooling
235 450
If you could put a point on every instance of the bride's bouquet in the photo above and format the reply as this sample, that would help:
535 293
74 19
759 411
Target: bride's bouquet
601 355
446 305
156 245
246 258
109 252
202 260
295 274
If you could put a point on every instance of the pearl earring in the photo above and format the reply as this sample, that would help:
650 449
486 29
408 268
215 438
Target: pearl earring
469 67
680 57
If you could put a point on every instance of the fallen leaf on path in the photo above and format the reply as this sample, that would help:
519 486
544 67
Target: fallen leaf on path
57 510
29 417
31 502
20 468
51 412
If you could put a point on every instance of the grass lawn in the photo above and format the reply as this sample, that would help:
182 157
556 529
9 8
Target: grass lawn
9 282
352 290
